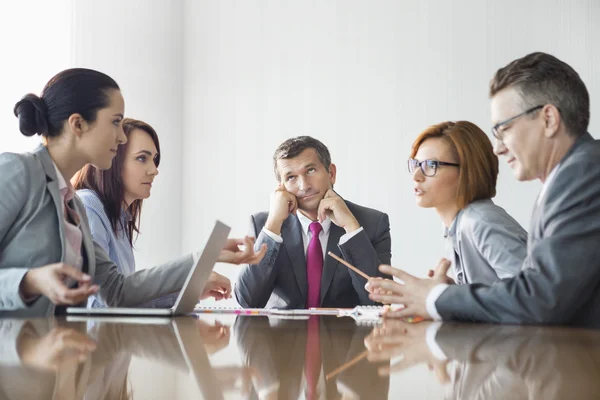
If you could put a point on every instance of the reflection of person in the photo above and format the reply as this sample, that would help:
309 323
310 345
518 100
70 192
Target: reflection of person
540 111
397 338
215 336
38 355
296 272
291 358
62 358
454 171
43 344
497 362
60 346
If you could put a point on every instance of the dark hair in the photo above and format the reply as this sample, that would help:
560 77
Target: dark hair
294 146
541 79
108 183
72 91
471 149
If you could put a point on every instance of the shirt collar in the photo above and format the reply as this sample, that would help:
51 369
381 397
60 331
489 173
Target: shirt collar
547 183
305 222
451 232
64 187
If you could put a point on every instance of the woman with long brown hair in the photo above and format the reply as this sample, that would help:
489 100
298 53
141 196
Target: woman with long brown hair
113 200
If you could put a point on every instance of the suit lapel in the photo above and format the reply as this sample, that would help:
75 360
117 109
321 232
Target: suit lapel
538 210
329 264
52 185
88 243
535 216
292 240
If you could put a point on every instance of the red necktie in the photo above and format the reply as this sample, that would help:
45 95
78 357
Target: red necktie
314 266
312 358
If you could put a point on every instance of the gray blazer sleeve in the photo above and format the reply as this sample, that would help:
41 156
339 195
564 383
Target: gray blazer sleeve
10 329
101 238
14 193
256 282
500 241
562 271
503 249
10 332
118 290
367 255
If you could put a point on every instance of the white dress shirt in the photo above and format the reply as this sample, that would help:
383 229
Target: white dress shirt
437 291
307 234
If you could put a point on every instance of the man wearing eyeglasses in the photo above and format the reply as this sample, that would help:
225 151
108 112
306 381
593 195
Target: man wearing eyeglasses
540 110
307 220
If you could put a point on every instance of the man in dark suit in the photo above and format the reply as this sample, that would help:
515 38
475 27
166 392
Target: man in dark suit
540 111
306 220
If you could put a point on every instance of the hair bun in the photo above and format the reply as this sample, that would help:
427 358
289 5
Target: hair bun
33 115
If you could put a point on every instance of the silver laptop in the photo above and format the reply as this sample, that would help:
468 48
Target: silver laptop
190 292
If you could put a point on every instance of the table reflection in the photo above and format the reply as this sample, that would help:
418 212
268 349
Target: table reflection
293 358
489 361
91 359
259 357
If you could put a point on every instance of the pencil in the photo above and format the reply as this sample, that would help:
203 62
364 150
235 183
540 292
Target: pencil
352 267
346 365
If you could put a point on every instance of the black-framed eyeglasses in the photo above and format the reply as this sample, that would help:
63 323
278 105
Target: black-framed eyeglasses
428 167
495 129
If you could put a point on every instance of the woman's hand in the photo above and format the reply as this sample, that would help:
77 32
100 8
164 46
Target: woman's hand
218 286
49 281
232 253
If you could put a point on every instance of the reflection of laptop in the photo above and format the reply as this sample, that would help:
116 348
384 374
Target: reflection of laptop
192 348
176 342
192 288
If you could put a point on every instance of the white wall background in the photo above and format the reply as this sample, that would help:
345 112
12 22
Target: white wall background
139 44
365 77
224 82
34 46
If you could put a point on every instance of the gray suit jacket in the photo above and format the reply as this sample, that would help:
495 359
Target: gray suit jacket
560 279
32 235
486 244
279 280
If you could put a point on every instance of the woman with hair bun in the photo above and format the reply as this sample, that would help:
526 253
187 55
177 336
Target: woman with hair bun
48 258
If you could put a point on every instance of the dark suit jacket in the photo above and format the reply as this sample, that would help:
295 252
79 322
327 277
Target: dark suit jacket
276 348
279 280
560 279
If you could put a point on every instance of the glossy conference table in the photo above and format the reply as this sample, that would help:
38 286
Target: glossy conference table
255 357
